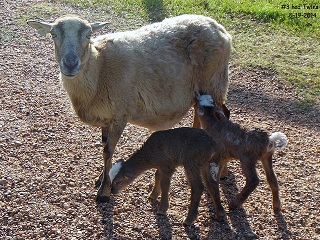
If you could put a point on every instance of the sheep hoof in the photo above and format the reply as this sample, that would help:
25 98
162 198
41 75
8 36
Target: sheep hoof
102 199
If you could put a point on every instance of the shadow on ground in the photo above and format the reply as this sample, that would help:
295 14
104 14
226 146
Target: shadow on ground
248 93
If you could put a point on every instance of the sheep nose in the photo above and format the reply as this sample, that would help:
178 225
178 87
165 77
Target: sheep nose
71 62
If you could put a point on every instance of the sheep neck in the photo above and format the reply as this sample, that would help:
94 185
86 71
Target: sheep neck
84 84
82 88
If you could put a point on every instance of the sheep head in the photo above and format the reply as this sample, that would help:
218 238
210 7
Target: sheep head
71 36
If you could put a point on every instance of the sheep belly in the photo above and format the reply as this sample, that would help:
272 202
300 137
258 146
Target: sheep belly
158 123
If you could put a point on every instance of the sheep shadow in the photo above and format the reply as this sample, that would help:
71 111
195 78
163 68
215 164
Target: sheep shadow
107 212
165 228
282 227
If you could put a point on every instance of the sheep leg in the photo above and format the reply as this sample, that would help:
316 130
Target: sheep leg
197 188
212 186
110 137
252 181
272 180
156 189
104 144
196 121
165 186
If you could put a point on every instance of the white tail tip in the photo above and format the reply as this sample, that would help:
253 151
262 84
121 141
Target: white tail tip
280 138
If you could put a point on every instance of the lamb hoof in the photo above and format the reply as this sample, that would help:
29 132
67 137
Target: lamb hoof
233 206
188 222
223 178
220 218
102 199
97 183
276 210
161 212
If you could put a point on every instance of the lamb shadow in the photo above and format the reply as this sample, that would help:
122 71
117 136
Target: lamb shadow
107 211
218 230
192 231
282 227
155 9
238 217
163 223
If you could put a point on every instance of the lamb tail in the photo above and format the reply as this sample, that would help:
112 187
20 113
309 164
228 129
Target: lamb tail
280 138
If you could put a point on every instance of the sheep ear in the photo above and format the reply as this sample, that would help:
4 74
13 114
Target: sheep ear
42 28
97 25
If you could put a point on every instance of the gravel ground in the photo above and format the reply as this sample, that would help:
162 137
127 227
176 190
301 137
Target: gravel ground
49 159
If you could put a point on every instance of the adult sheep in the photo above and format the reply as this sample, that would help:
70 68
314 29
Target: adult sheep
146 77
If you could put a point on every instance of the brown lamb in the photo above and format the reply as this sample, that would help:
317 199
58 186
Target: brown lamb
165 151
233 141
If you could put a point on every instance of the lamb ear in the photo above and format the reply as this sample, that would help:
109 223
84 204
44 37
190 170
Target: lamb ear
226 111
43 28
97 25
200 110
219 114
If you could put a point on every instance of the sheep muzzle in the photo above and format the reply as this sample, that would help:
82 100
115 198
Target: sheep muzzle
70 65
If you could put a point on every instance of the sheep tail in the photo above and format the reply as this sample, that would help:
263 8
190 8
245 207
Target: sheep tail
279 138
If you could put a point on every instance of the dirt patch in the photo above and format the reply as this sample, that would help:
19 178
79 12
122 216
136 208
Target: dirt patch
49 159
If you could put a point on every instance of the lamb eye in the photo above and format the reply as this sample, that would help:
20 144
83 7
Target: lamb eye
53 35
89 35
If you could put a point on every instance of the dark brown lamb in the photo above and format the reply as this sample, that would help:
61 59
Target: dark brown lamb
233 141
166 150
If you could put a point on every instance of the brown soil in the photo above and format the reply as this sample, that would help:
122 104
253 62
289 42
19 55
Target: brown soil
49 159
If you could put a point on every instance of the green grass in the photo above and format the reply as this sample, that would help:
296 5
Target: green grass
266 34
42 10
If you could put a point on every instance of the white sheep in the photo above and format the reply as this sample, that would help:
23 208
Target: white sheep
146 77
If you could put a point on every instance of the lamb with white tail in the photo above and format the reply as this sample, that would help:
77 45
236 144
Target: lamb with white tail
233 141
